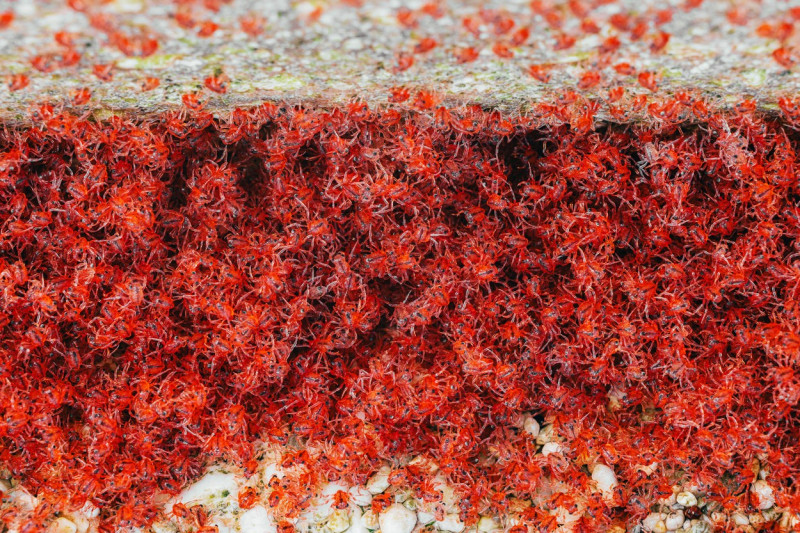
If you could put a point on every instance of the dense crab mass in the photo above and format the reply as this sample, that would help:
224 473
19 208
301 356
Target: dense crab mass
409 280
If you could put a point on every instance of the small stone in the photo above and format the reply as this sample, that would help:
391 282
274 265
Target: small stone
257 520
127 6
789 521
531 426
353 45
213 484
407 500
765 496
487 524
22 499
699 526
338 521
159 527
756 519
687 499
422 465
360 495
740 519
651 521
604 477
357 524
62 525
551 447
545 434
718 518
674 520
380 481
397 519
451 522
425 518
450 498
369 519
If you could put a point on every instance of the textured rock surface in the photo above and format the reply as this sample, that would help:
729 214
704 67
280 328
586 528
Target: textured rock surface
332 52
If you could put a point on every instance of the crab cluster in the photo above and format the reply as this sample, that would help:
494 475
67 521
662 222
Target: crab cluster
409 280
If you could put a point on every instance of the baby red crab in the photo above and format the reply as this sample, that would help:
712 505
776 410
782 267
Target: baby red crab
191 101
149 83
103 71
341 499
217 83
398 94
466 55
425 45
502 50
207 29
81 96
17 82
783 56
404 61
540 72
247 497
648 80
6 18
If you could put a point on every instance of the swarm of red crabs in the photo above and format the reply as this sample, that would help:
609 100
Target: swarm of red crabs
403 280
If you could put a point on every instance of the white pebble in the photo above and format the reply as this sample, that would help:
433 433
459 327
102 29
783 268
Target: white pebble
765 497
397 519
62 525
487 524
212 484
789 521
674 520
22 499
369 519
162 527
698 526
425 518
423 464
604 477
360 495
551 447
406 497
354 44
545 435
451 522
358 524
531 426
449 496
338 521
257 520
652 521
740 519
687 499
380 481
